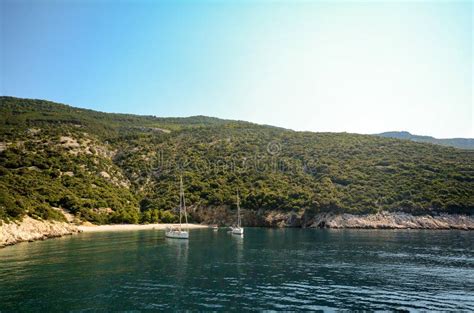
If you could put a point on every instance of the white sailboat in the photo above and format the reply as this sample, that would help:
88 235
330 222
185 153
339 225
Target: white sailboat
238 230
178 231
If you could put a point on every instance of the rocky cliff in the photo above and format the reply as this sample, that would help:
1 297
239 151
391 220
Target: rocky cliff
29 229
386 220
382 220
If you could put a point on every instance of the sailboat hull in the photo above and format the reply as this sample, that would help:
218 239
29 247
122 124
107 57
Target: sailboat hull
238 230
178 234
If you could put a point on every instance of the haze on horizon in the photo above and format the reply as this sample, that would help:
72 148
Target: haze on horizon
363 67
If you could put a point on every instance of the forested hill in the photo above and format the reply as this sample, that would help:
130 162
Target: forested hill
115 168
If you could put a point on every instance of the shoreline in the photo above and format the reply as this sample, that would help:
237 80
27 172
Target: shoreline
129 227
29 229
381 220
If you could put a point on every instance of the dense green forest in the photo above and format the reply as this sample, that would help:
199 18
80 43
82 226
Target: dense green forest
119 168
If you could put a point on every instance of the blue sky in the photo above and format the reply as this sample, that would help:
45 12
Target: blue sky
354 66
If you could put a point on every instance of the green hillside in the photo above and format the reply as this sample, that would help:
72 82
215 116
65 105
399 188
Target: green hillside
120 168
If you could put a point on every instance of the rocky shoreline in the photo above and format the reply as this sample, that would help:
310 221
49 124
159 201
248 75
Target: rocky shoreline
382 220
386 220
29 229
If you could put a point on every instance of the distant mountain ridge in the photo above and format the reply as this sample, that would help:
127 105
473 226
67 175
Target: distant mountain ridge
461 143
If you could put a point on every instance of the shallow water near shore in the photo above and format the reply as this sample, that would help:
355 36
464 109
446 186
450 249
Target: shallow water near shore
286 269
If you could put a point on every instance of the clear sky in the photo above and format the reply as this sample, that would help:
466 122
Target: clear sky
363 67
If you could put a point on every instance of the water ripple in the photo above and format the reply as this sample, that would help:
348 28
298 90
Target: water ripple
267 270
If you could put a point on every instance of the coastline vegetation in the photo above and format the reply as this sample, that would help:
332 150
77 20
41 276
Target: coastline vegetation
121 168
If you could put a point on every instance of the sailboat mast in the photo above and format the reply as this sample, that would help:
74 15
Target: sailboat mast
238 209
180 198
184 204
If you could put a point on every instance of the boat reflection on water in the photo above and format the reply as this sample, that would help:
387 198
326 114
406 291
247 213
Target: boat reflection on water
180 248
238 241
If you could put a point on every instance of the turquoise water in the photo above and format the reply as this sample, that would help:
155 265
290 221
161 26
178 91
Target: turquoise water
287 269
